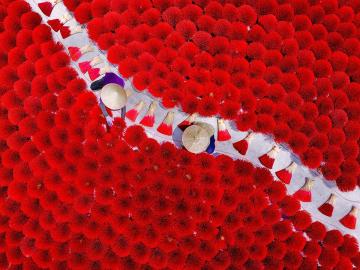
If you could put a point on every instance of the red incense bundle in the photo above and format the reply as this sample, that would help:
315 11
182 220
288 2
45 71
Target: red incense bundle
327 208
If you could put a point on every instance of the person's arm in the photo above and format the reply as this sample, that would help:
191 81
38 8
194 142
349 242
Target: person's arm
123 112
108 118
211 147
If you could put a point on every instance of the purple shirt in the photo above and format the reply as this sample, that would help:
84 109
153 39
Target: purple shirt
113 78
110 77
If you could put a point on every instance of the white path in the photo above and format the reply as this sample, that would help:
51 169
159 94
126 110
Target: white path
259 145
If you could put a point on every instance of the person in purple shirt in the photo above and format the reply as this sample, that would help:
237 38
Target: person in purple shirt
108 78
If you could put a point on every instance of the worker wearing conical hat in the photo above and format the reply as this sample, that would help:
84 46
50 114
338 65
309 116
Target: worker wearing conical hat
113 97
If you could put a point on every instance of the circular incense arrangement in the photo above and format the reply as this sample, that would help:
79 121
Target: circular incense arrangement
175 156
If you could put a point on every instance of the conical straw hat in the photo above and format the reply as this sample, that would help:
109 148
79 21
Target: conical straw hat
209 128
113 96
195 139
